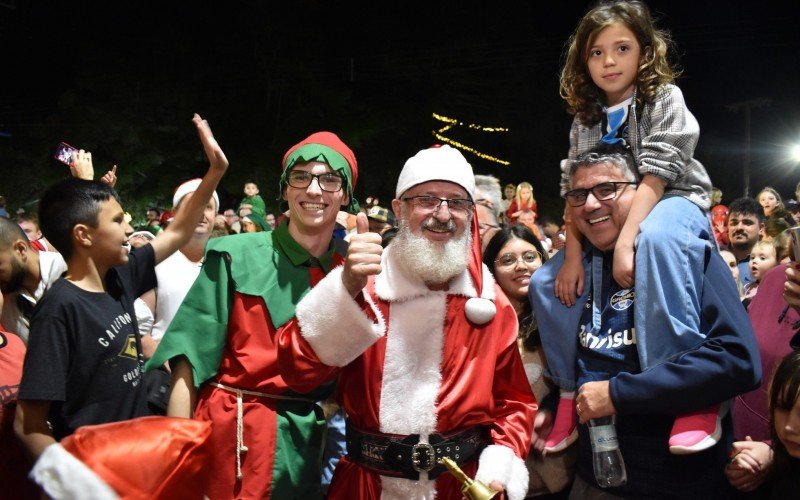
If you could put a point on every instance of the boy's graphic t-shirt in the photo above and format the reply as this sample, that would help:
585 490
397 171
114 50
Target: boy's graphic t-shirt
84 353
615 123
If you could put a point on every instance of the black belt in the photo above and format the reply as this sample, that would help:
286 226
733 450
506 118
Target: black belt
405 456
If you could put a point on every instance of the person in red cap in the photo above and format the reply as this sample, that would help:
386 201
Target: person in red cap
221 344
424 344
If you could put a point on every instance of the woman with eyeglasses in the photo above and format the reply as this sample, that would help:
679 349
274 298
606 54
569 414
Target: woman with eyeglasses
513 255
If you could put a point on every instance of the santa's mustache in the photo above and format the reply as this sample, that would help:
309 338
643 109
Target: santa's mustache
436 225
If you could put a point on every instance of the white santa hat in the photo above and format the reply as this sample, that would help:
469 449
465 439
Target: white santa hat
437 163
444 163
187 187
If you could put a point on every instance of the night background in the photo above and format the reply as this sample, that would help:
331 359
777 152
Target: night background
122 80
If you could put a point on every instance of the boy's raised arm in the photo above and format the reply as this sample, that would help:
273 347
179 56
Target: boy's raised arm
181 228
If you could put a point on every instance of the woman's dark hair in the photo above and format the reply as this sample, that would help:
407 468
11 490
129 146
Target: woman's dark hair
783 391
528 330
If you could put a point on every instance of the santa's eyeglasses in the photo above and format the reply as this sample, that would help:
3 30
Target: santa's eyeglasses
432 203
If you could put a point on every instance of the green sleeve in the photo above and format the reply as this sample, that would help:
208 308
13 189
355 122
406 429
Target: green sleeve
259 206
199 328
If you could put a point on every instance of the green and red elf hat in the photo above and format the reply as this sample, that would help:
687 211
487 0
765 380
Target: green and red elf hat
325 147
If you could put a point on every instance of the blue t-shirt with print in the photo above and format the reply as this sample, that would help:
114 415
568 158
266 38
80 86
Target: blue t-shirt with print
608 347
615 123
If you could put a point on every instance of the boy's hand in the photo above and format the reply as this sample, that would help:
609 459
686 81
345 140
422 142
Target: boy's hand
623 269
214 153
363 256
569 281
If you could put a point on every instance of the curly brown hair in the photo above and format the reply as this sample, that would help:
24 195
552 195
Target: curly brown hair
577 88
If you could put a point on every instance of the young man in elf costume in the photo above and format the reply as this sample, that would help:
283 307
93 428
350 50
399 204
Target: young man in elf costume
221 343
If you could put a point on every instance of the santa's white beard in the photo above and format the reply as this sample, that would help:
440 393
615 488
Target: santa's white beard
434 263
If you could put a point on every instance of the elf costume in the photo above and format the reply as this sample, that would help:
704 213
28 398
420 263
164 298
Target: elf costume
267 439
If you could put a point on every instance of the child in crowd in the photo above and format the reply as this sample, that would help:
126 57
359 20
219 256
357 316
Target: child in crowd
784 425
508 195
84 361
252 202
763 257
618 82
770 200
523 200
730 259
783 467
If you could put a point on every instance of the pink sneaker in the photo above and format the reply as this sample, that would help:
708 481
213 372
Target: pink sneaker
696 431
565 430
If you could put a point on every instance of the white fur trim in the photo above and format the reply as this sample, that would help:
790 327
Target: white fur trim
334 324
398 488
479 310
499 463
62 476
412 366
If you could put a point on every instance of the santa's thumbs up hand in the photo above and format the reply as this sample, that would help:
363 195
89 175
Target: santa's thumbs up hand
362 223
363 256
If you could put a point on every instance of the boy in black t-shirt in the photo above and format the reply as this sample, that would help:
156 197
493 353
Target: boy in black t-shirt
84 361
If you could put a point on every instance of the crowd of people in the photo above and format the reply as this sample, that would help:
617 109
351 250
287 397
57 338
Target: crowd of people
338 350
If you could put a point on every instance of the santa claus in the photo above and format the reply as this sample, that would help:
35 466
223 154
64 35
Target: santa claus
423 343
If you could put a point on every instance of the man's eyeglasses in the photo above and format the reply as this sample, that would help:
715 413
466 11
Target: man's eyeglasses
529 258
432 203
328 181
602 192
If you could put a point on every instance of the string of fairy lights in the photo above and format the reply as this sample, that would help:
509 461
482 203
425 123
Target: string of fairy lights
453 122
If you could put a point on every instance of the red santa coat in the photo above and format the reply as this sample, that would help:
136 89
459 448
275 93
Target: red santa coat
411 362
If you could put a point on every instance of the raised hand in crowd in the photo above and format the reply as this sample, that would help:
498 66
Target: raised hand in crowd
183 225
82 167
110 177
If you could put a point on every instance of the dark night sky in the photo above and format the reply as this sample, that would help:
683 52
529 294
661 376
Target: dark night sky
256 70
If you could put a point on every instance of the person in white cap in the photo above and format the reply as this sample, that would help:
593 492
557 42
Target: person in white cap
425 347
178 271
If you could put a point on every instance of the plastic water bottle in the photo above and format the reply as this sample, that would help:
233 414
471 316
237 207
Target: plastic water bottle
609 467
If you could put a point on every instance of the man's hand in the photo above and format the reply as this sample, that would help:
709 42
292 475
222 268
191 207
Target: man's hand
363 256
110 177
623 269
594 401
81 166
791 289
214 153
